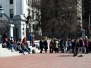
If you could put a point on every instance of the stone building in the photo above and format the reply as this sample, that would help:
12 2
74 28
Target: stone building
19 11
80 19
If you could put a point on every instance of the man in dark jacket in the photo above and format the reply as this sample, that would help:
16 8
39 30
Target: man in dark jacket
75 44
41 45
45 45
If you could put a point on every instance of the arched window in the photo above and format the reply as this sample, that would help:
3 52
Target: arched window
35 26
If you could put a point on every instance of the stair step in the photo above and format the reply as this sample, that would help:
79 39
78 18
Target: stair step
4 52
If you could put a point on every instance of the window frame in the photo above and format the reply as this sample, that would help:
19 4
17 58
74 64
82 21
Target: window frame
11 13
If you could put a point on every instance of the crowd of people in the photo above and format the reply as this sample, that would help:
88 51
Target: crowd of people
75 46
64 45
16 45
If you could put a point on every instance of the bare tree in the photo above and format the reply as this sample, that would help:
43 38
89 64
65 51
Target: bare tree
59 15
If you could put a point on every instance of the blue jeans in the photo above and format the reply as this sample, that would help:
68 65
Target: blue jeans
25 49
80 50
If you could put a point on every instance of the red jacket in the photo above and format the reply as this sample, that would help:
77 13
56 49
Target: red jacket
24 41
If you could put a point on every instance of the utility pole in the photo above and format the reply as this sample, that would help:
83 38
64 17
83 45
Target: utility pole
89 26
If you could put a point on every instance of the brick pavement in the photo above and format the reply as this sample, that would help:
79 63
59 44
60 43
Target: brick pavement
58 60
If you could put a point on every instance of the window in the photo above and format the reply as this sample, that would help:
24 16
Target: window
79 18
32 14
11 1
34 1
11 13
27 2
35 27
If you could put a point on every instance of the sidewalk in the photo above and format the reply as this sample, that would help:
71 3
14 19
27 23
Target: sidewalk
55 60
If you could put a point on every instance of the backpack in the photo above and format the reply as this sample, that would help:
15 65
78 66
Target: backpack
6 39
50 44
70 44
33 51
4 45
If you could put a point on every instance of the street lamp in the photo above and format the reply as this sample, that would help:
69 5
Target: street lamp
89 26
1 11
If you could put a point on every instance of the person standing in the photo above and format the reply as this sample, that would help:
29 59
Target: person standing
45 45
70 47
31 39
5 37
41 45
80 47
56 47
51 45
87 46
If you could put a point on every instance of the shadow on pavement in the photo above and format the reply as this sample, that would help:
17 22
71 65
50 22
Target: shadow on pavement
65 56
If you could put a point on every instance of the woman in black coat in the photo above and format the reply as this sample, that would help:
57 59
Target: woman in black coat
75 44
45 45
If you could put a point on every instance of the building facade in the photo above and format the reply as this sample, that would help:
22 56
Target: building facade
79 12
86 17
24 9
80 19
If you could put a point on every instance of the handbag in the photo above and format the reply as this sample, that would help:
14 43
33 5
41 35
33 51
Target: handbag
6 39
4 45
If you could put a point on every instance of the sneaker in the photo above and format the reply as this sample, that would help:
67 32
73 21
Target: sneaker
29 53
74 55
23 54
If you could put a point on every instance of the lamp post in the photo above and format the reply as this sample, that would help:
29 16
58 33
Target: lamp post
89 26
1 11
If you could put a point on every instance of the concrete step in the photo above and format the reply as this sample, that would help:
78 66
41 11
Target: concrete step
4 52
36 49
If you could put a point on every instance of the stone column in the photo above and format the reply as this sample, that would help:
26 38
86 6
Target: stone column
20 21
14 7
31 27
11 31
22 30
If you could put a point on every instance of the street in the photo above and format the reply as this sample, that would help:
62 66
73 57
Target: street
46 60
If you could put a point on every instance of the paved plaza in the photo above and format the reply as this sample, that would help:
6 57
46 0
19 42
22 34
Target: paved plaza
53 60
